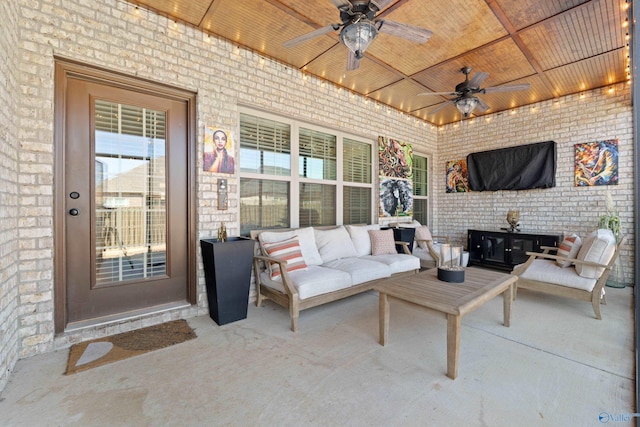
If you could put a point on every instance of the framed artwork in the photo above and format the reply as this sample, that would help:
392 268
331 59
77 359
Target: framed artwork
396 197
395 158
457 176
596 163
218 150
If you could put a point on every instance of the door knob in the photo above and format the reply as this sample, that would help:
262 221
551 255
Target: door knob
74 212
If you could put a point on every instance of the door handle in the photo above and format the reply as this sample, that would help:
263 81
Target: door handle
74 212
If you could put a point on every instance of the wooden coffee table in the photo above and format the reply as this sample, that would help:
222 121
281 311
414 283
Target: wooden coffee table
454 299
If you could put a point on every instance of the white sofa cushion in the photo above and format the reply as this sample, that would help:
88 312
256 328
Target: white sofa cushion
361 270
360 237
598 247
288 250
306 239
382 242
549 271
334 243
569 249
313 281
398 263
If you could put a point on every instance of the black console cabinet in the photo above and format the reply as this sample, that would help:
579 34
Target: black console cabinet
504 250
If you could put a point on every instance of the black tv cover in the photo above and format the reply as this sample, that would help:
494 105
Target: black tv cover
515 168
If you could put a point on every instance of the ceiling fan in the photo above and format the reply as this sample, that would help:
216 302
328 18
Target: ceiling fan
465 99
359 27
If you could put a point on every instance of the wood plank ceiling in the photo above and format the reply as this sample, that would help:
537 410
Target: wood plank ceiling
560 47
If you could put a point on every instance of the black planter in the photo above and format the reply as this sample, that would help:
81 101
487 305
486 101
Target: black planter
227 273
451 276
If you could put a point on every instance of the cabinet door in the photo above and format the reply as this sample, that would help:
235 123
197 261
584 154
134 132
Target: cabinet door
474 245
520 245
495 246
553 241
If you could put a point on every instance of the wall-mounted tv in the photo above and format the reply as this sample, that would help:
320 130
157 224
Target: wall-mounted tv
515 168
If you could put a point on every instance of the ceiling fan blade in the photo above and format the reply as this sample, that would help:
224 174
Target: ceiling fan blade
381 4
477 79
352 62
441 106
438 93
406 31
313 34
524 86
342 4
482 106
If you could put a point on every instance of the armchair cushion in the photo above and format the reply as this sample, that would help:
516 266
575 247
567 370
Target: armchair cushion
569 249
382 242
288 250
544 270
598 247
423 233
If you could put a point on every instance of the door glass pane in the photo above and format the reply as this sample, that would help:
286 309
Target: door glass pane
130 192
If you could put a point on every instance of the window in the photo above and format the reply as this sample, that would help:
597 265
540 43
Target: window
420 189
333 183
357 177
265 150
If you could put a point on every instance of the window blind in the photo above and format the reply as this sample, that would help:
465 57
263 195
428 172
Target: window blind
265 146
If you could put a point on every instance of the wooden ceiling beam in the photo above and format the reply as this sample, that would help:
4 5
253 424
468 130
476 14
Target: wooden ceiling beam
513 33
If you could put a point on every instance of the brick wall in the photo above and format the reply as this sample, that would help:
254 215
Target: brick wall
9 146
596 115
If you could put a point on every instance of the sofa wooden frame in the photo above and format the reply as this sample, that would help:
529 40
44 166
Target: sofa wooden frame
290 298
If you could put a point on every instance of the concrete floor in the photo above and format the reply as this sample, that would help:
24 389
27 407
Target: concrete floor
555 366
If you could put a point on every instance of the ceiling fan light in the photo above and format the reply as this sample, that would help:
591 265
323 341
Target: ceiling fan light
358 36
466 105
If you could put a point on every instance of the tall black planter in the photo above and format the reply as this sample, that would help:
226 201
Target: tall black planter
227 273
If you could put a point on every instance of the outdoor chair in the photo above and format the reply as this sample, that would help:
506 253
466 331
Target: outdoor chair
581 277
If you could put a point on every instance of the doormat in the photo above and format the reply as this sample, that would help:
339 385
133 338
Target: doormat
101 351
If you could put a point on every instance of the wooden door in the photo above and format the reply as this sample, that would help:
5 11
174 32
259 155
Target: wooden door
126 208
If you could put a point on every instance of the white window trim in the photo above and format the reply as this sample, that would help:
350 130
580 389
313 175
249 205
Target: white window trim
429 187
295 179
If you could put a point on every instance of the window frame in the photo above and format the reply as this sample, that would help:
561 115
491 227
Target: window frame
428 186
294 179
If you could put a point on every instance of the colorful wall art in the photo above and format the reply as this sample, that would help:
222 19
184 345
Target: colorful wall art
396 197
395 159
457 176
218 150
596 163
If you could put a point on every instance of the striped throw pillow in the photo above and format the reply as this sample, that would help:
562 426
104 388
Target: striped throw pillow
569 249
288 250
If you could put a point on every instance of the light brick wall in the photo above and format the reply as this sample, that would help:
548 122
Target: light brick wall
9 146
108 34
596 115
